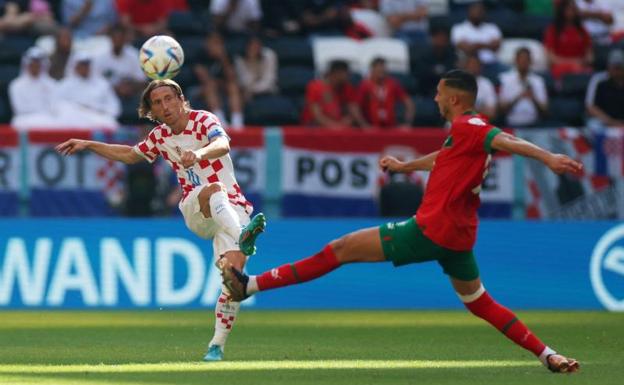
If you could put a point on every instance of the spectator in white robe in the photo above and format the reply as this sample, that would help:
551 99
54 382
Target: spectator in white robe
32 93
95 104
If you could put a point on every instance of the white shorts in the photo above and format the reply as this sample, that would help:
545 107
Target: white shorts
207 228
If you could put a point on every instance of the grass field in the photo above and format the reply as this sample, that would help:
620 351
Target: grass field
364 347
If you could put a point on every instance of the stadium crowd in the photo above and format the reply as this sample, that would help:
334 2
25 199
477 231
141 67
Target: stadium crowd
316 63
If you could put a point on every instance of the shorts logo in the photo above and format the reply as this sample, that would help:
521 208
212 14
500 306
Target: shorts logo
607 265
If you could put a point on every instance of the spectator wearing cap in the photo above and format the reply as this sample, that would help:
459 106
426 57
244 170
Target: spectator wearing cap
487 100
523 96
475 36
92 97
331 101
407 18
32 93
605 92
378 96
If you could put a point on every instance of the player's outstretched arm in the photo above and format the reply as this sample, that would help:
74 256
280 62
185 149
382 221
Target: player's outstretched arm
558 163
118 152
421 164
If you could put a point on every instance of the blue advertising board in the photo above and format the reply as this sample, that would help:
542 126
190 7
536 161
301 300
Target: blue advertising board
123 263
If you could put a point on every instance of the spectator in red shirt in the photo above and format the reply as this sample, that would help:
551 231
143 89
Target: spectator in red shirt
567 43
332 101
378 95
148 17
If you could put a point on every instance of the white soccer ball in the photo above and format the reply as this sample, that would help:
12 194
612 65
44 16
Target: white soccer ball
161 57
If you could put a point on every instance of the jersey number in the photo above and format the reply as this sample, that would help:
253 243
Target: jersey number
194 178
486 169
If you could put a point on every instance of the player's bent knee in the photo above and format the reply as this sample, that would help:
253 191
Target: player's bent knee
340 247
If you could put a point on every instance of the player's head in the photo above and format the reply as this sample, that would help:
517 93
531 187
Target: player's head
163 101
378 68
338 72
457 91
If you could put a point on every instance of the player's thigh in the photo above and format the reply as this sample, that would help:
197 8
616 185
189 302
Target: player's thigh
461 267
359 246
194 219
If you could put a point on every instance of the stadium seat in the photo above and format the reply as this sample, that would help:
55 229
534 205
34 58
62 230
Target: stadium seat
186 78
395 51
267 110
191 46
8 73
186 23
601 53
373 20
292 50
327 49
568 111
5 109
13 47
574 85
408 81
508 48
292 80
427 113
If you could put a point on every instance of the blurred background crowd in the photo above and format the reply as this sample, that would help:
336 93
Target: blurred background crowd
315 63
303 65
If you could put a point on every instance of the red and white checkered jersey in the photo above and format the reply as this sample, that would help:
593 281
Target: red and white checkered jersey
201 129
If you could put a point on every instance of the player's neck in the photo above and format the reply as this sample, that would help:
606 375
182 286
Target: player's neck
180 125
459 111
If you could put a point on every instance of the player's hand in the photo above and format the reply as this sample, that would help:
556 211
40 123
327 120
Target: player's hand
560 164
188 159
390 163
72 146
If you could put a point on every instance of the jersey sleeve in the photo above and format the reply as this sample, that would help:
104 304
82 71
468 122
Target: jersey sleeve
478 133
148 148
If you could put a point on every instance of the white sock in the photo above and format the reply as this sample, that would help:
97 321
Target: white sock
237 120
223 213
547 351
252 285
225 316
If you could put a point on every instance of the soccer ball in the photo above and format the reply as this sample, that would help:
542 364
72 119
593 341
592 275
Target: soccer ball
161 57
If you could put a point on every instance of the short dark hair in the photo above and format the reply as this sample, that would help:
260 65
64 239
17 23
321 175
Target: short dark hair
522 50
338 65
461 80
377 60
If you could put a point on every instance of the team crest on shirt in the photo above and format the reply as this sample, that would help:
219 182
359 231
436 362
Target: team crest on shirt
477 121
178 150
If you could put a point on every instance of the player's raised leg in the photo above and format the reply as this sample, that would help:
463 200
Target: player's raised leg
214 203
480 303
359 246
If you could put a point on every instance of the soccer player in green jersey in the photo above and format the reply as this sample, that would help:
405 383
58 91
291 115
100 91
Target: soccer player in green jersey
443 229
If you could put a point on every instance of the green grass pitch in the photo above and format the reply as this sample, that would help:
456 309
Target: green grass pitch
310 347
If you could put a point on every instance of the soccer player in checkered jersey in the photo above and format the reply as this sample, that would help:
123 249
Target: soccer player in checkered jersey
195 145
443 229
